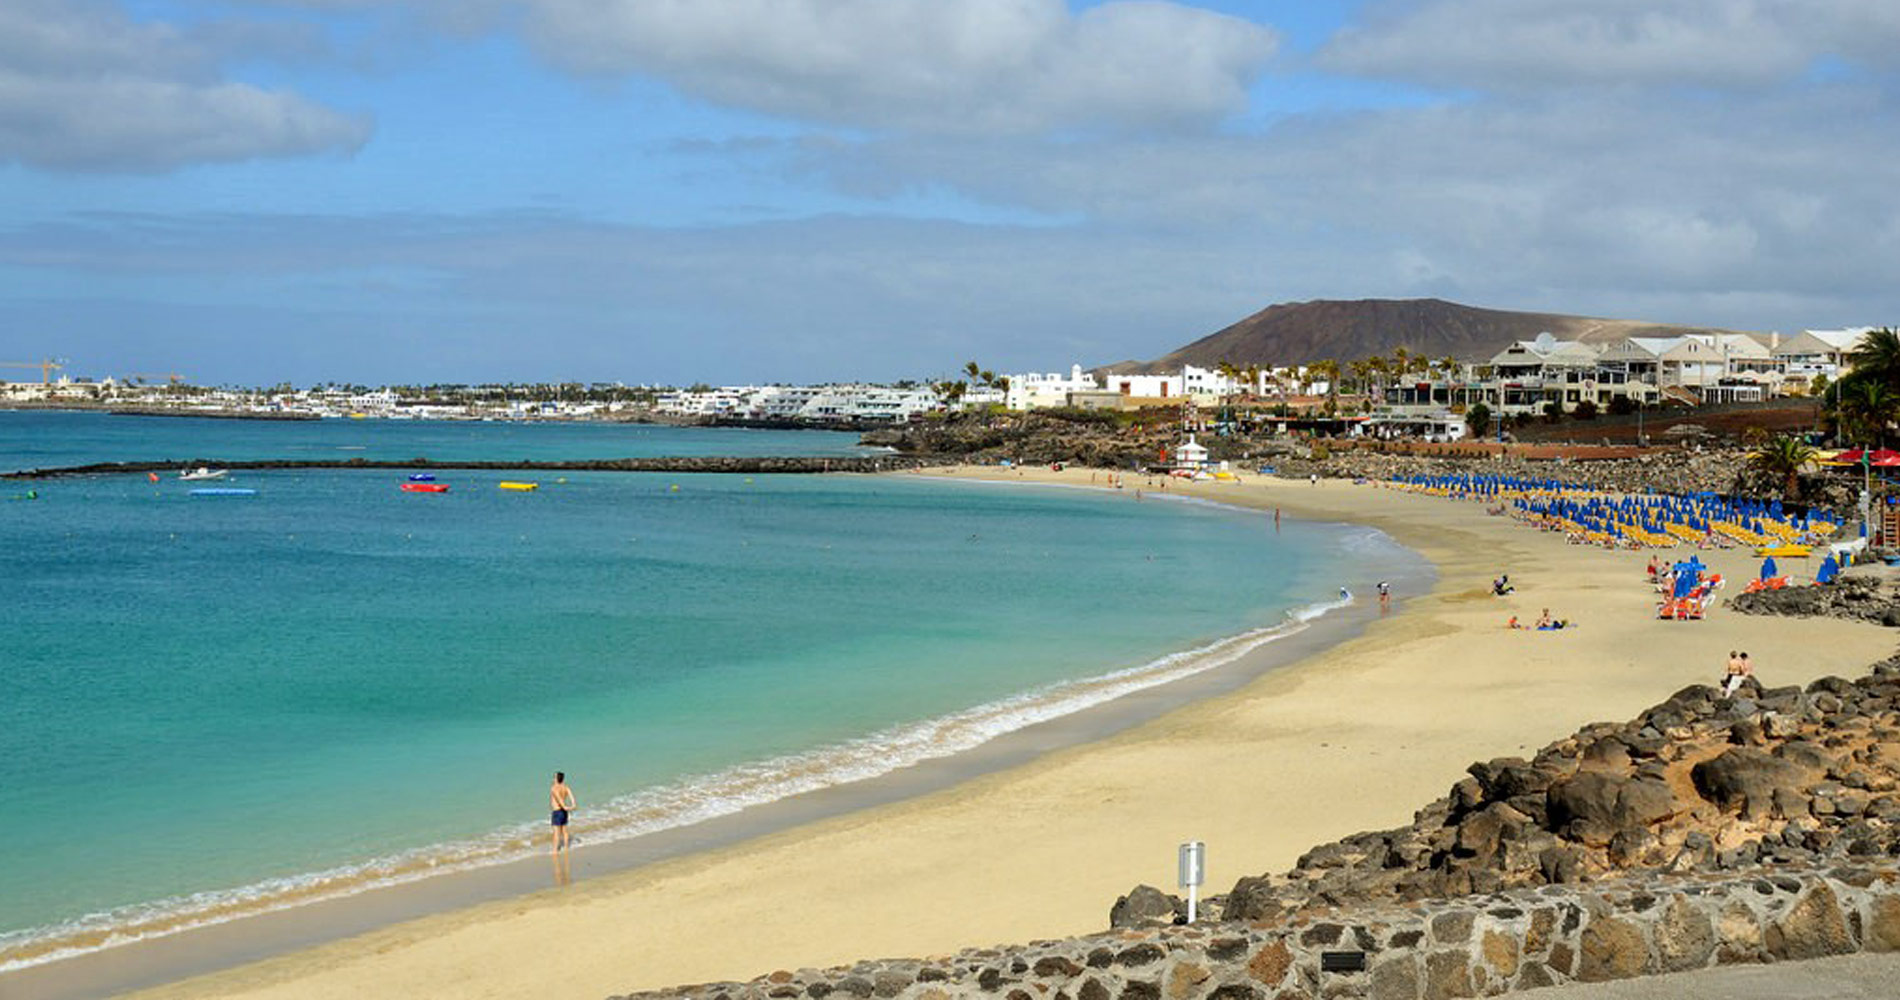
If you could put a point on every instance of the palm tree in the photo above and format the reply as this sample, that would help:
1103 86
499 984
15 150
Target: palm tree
950 392
1328 369
1783 459
1869 406
1402 363
1878 357
1376 380
1230 373
1360 371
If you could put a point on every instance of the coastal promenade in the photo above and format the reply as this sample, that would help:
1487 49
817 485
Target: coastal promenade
1351 737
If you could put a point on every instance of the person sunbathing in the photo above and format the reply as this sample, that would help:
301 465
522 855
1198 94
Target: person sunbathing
1546 623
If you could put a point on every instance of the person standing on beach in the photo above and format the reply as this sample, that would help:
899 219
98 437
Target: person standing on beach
1385 593
560 800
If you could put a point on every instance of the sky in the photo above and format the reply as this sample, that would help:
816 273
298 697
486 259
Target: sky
250 192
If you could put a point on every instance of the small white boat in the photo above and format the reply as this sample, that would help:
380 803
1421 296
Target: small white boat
202 473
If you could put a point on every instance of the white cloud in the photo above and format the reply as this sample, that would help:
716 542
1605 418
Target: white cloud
1537 44
84 87
954 66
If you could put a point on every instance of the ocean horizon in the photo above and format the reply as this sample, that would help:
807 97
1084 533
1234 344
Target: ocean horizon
249 702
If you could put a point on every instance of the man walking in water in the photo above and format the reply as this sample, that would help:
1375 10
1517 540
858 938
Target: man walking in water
560 800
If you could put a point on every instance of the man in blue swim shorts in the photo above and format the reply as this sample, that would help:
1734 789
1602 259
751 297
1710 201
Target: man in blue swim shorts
560 800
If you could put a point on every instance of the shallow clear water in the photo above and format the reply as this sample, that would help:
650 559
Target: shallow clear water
225 695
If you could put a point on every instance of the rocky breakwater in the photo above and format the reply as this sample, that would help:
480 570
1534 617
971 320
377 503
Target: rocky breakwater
1708 830
1858 598
766 465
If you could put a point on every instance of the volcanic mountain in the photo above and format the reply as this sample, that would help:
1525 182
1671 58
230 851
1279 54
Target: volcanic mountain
1301 332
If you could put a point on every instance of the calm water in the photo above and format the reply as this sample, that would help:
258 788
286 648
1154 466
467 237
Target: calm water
209 705
42 440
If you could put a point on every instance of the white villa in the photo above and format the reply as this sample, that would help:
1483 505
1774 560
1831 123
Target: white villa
1036 390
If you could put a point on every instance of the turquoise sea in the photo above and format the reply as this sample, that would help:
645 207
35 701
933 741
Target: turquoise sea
211 706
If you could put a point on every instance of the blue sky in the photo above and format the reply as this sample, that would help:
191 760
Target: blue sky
674 191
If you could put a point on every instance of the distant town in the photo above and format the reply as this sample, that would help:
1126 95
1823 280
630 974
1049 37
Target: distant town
1398 395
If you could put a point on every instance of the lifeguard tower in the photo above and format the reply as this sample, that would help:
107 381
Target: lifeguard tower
1189 456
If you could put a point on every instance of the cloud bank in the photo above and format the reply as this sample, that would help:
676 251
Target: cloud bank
972 66
83 87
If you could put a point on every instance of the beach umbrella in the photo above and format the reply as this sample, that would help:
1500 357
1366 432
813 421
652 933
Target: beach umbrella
1768 567
1685 584
1829 570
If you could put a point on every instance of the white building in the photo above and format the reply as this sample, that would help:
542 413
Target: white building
1148 386
1036 390
1812 353
1207 383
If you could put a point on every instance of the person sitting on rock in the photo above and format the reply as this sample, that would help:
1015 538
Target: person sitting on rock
1739 669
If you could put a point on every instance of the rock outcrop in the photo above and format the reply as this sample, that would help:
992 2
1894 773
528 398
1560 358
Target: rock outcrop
1699 783
1857 598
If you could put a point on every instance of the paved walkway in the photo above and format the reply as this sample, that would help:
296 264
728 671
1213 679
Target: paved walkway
1849 977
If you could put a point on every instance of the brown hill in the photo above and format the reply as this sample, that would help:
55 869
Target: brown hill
1300 332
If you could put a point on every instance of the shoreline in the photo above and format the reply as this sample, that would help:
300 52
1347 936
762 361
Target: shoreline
1041 849
1109 703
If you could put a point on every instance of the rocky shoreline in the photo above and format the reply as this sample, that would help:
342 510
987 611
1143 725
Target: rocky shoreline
1698 783
1708 830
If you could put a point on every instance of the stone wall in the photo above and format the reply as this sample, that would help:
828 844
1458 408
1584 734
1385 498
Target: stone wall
1477 946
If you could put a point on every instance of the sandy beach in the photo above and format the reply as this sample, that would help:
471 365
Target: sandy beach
1353 738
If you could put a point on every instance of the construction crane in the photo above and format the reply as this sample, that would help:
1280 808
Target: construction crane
46 367
172 377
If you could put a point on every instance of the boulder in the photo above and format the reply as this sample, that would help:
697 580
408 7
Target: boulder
1745 779
1644 802
1252 898
1480 833
1145 906
1510 777
1583 807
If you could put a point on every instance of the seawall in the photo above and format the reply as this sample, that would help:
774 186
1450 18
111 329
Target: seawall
1477 946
